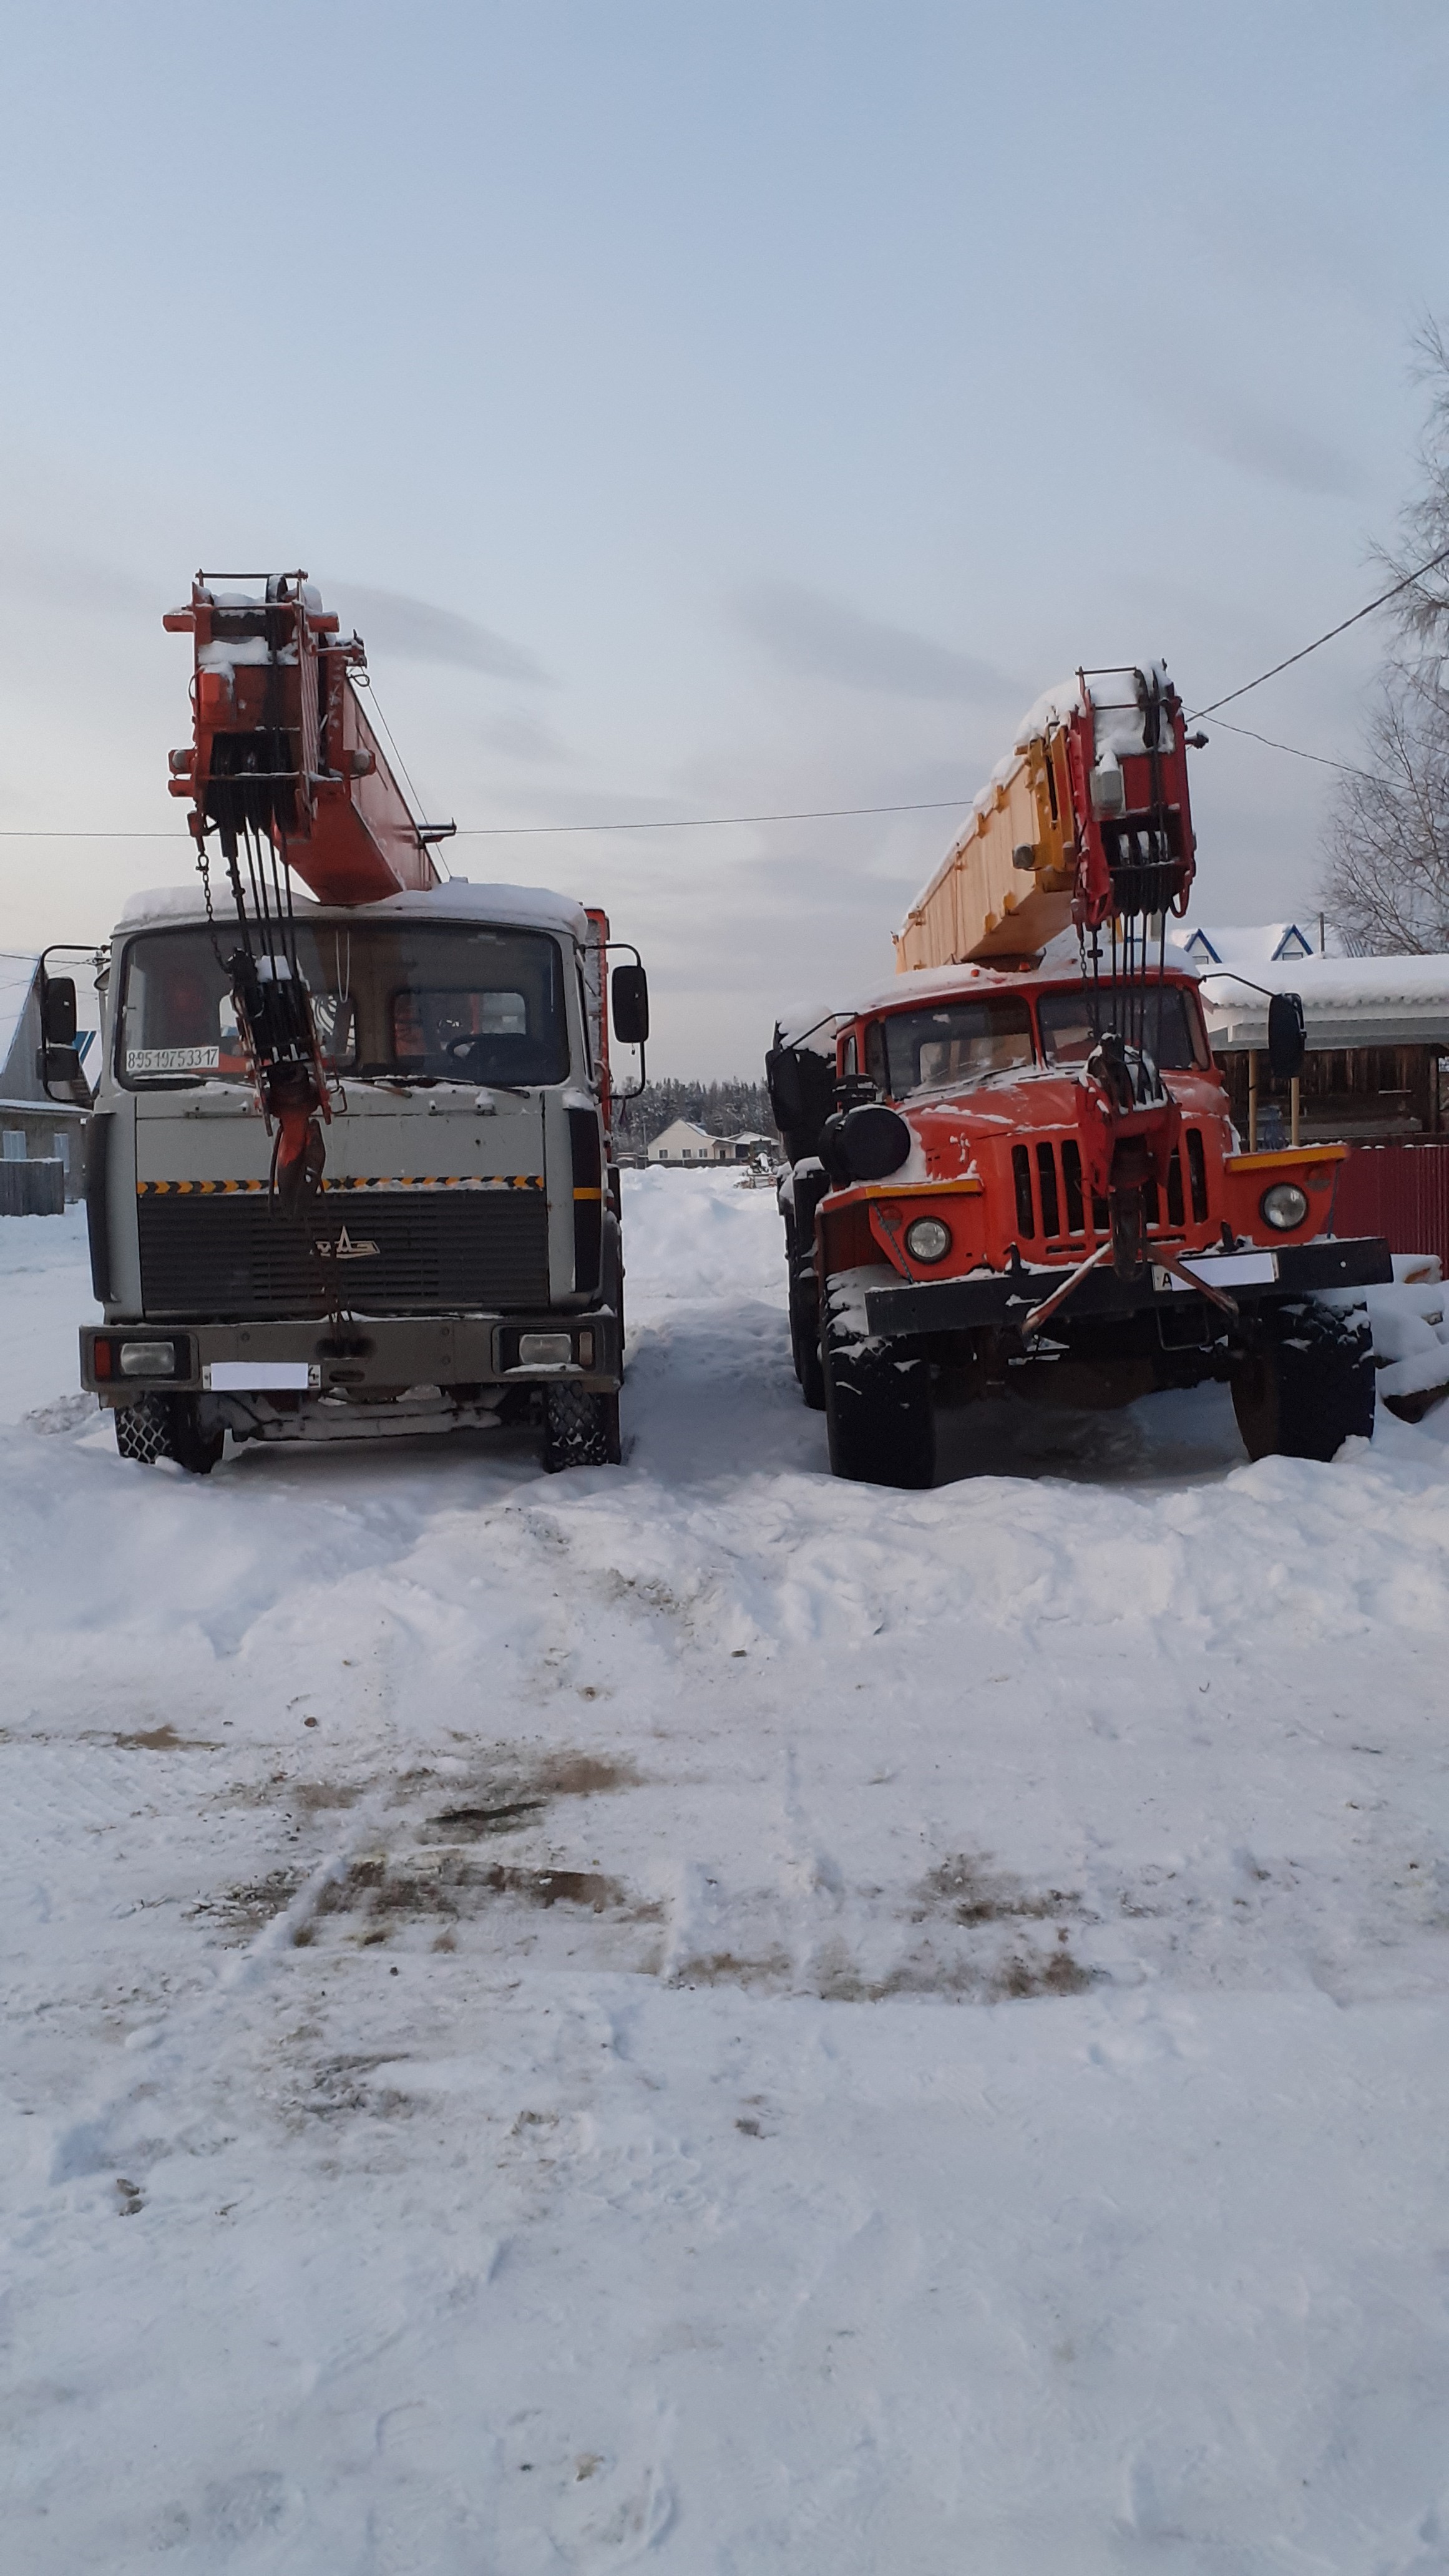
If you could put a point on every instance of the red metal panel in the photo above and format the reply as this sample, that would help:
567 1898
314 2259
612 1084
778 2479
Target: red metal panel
1401 1191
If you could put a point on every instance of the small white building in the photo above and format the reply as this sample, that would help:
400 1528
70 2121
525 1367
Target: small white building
682 1142
747 1147
1377 1062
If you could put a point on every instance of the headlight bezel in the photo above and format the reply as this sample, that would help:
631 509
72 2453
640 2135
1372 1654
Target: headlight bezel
1276 1202
939 1237
147 1362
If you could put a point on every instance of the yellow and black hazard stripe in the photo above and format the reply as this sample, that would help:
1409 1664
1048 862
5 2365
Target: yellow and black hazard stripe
334 1188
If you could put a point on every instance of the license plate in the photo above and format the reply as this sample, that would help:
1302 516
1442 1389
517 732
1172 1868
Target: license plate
1221 1270
260 1377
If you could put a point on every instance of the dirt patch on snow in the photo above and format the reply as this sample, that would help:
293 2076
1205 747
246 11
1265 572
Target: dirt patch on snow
966 1889
383 1892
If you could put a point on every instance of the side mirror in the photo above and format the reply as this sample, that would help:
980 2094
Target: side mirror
1287 1036
57 1011
786 1089
630 994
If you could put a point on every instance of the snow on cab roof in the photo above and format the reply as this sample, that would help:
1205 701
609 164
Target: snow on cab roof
924 983
525 907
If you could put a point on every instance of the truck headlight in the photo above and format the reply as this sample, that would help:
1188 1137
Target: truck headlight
1284 1206
928 1239
148 1359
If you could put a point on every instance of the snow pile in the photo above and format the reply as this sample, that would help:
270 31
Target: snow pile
44 1298
698 2017
1411 1339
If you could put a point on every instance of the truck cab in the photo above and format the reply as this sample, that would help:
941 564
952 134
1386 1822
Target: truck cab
458 1261
976 1205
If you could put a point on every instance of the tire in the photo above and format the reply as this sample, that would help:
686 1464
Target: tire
1308 1386
196 1443
168 1426
878 1412
579 1429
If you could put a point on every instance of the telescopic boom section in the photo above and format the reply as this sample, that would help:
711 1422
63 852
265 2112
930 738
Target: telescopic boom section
283 747
1086 822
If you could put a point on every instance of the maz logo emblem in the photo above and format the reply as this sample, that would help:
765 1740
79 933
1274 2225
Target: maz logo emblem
344 1249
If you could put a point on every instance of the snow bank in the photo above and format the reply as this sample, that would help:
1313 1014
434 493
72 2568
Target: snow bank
44 1299
699 2017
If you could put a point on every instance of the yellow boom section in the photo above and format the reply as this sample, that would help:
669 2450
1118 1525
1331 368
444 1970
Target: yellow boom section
1005 888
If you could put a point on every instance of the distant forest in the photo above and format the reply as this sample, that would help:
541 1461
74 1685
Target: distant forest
720 1108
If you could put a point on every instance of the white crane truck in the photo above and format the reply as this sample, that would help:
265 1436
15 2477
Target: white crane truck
351 1171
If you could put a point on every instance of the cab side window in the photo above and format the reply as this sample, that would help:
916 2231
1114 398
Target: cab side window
875 1056
848 1059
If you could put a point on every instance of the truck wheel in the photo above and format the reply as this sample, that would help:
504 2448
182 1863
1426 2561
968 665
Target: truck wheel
579 1429
196 1443
878 1412
1309 1386
168 1426
805 1345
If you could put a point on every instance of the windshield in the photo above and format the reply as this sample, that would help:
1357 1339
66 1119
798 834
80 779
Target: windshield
411 999
960 1042
1164 1020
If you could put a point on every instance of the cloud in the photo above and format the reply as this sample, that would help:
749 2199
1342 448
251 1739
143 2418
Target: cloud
518 735
824 639
415 631
50 576
1257 440
1281 452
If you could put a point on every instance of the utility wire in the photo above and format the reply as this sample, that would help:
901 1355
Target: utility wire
712 822
397 755
825 813
1320 757
512 831
1302 654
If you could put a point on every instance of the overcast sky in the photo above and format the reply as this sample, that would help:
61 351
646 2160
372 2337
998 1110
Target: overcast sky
707 407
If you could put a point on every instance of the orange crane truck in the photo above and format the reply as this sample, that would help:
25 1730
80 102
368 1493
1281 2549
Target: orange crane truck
1013 1175
351 1170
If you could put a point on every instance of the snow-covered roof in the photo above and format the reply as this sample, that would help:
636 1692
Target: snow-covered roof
1347 1001
682 1127
17 976
526 907
1262 943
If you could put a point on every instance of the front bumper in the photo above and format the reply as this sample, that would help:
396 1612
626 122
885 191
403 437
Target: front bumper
378 1357
998 1299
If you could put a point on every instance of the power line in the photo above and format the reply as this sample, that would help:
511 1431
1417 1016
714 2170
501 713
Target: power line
18 833
1342 629
514 831
1320 757
713 822
823 813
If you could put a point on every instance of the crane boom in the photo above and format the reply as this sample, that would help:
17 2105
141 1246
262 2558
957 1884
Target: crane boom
1086 821
283 747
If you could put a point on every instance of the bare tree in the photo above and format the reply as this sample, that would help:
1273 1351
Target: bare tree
1386 881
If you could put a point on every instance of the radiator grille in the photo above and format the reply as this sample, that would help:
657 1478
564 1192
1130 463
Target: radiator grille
1061 1196
232 1258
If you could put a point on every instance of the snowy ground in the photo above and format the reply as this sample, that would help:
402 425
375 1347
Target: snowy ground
698 2017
